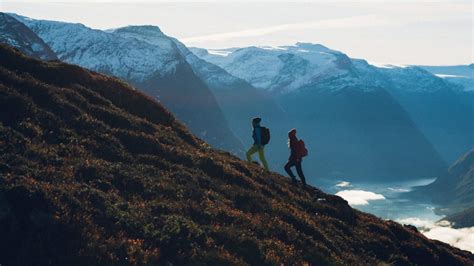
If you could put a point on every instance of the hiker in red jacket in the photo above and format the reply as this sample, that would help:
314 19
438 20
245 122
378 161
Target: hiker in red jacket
298 151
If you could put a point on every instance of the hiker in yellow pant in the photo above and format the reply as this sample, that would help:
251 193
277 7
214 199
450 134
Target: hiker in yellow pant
261 155
258 143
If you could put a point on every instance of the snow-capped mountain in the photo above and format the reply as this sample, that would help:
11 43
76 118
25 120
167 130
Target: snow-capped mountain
352 125
102 51
442 110
462 75
157 68
239 100
283 69
413 79
14 33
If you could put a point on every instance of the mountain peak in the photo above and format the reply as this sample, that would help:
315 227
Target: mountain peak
282 69
313 46
143 29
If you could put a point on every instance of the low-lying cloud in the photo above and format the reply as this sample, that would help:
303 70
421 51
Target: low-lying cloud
343 184
462 238
400 190
359 197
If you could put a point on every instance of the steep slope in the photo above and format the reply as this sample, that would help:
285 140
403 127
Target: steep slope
14 33
353 127
456 188
444 112
158 69
94 172
462 219
239 100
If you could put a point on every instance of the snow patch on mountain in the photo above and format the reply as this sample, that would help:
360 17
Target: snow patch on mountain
282 69
449 76
413 79
219 52
211 73
106 51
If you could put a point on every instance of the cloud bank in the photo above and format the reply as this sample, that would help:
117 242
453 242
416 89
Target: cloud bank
462 238
359 197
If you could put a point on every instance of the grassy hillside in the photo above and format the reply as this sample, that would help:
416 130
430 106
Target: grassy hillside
95 173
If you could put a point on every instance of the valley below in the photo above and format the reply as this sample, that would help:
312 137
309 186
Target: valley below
391 201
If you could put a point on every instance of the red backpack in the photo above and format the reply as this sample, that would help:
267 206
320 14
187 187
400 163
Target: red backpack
301 150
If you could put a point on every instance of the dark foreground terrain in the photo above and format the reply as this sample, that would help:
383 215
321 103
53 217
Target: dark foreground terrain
94 172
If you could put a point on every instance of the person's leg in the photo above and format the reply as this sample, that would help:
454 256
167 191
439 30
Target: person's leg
299 170
288 166
250 152
261 154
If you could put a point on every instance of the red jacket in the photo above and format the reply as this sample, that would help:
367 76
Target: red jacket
293 148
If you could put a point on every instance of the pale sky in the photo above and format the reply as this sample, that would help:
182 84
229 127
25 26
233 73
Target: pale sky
382 32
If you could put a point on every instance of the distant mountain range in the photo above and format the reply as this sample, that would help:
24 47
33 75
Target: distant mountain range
351 114
94 172
462 75
442 110
351 123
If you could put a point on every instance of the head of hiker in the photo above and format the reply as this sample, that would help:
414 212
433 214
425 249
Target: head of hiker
256 121
292 134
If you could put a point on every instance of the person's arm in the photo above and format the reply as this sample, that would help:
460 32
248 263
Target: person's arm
292 148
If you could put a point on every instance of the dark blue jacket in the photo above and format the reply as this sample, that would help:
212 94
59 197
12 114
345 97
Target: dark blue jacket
257 135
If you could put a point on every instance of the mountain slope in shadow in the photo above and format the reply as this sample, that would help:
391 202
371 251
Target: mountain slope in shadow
353 127
94 172
15 33
454 191
239 100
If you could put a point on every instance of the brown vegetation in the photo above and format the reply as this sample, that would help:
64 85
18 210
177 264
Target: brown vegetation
94 172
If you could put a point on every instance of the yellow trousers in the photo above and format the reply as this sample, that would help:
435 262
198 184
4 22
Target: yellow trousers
261 155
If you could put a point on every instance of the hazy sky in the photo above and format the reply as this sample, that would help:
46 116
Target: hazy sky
384 32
